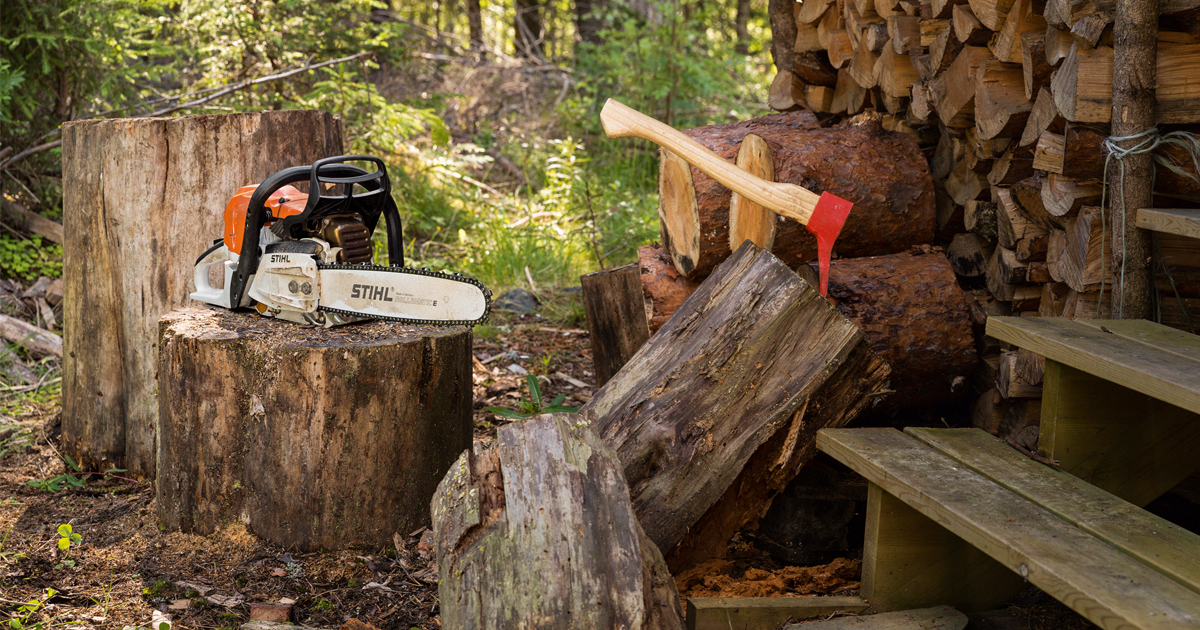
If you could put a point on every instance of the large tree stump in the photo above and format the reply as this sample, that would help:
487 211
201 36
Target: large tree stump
883 173
315 438
538 532
746 352
142 198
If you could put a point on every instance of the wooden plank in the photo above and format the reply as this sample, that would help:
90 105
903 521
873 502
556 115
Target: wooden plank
1181 222
1099 582
1122 441
935 618
1162 337
910 561
1141 367
762 613
1168 548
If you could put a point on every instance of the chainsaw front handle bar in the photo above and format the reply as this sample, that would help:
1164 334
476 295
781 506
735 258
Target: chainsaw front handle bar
370 205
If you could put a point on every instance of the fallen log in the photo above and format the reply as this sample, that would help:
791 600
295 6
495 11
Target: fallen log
38 342
538 529
883 173
915 317
728 373
689 200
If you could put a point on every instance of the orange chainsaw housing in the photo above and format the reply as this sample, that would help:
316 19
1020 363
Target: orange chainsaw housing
284 202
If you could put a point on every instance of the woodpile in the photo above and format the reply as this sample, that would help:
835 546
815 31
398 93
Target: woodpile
1011 103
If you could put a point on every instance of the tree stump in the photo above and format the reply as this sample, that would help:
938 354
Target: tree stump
315 438
538 532
616 317
142 198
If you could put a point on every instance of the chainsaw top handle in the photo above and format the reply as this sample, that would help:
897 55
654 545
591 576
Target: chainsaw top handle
375 200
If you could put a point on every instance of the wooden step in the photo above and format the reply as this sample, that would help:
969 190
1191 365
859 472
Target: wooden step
1100 582
1144 356
1181 222
1153 541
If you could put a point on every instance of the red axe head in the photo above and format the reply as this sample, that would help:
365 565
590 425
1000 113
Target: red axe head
826 223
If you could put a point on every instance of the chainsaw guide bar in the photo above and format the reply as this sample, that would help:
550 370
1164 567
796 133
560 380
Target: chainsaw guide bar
454 277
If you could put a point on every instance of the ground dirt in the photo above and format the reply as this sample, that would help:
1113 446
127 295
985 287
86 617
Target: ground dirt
125 568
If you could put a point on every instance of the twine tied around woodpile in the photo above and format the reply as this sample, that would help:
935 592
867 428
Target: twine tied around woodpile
1148 141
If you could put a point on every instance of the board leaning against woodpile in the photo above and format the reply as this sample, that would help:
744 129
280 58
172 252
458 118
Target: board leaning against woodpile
1010 101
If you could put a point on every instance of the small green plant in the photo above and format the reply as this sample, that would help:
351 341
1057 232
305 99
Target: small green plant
157 588
533 406
294 570
66 538
73 479
25 612
322 605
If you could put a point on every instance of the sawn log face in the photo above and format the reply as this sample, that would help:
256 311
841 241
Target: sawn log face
726 373
538 532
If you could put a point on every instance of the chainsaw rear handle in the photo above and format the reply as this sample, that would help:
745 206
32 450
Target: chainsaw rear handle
375 201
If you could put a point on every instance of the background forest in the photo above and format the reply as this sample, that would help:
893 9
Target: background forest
485 111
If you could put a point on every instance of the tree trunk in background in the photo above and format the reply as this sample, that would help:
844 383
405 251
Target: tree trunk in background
475 25
740 22
783 34
1135 54
527 29
142 198
587 20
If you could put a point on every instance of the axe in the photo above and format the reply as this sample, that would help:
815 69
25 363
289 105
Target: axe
823 215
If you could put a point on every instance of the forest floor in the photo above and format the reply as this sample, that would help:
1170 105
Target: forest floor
126 572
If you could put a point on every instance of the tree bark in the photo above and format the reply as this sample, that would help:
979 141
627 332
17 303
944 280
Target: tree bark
915 317
475 26
616 317
538 529
662 286
142 198
587 23
316 438
728 372
528 30
783 33
741 20
883 173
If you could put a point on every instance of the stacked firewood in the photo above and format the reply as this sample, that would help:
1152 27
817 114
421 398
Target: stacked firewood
1011 101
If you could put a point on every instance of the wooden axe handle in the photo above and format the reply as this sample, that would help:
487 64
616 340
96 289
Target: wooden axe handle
789 200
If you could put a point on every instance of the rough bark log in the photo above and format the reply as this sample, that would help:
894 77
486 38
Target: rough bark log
728 372
882 173
693 208
39 343
616 317
142 198
538 529
915 317
317 439
663 289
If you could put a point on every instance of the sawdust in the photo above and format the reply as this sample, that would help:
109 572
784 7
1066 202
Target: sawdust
728 578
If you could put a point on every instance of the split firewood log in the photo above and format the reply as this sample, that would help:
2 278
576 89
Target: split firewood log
690 412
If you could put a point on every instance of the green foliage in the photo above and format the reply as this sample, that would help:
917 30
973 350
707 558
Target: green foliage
157 588
28 258
534 405
10 79
66 538
25 612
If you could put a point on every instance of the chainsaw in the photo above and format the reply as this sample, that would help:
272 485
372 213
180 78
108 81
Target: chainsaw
308 258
